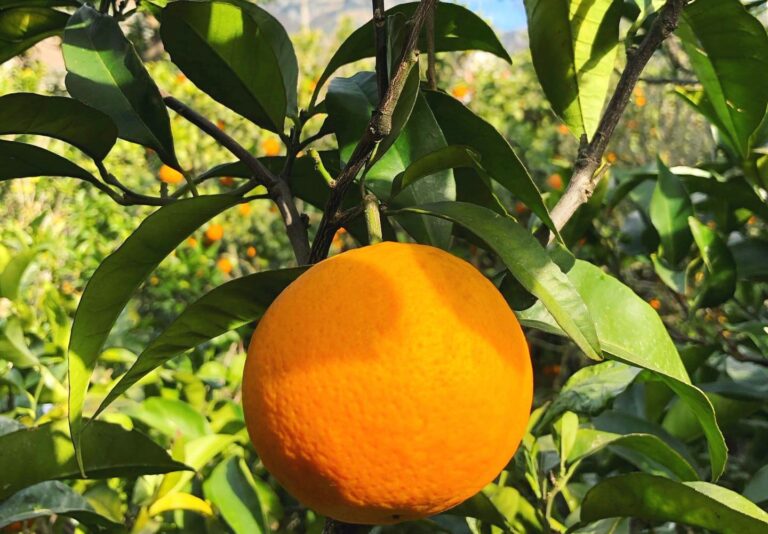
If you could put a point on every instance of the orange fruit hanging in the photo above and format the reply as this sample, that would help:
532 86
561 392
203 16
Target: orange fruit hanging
170 176
214 233
271 146
387 383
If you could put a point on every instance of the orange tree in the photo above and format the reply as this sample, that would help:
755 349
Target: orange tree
411 162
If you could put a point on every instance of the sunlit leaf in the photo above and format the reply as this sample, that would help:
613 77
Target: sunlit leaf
23 25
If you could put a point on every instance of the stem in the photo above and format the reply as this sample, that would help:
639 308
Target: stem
583 180
190 183
320 167
431 59
380 41
278 187
373 219
378 128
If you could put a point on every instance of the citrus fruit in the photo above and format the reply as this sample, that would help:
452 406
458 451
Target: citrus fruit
387 383
170 176
214 232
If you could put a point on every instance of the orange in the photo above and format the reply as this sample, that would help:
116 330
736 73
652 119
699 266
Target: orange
640 101
251 252
520 208
192 242
555 181
562 129
460 91
220 124
271 146
655 304
244 209
170 176
227 181
398 398
214 232
611 157
224 265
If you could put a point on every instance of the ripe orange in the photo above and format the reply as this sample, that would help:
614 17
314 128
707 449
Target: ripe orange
555 181
214 232
251 252
655 304
398 396
611 157
227 181
460 91
224 265
562 129
170 176
271 146
244 209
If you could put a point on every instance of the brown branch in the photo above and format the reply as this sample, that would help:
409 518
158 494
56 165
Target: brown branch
380 41
583 181
378 128
431 59
276 185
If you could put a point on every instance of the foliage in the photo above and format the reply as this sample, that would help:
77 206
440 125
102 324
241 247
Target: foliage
662 273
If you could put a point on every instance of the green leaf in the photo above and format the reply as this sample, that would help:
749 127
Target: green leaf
12 274
675 280
646 451
450 157
528 262
237 53
350 102
50 498
719 281
616 311
20 160
111 286
456 29
480 506
24 26
653 498
105 72
62 118
756 489
698 101
225 308
13 346
171 417
590 389
5 4
462 127
198 453
45 452
751 257
670 208
733 83
574 45
680 421
246 504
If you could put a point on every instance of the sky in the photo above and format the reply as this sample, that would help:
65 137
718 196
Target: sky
505 15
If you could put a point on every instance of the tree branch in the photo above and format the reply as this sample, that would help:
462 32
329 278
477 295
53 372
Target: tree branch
378 128
380 40
583 181
431 59
277 186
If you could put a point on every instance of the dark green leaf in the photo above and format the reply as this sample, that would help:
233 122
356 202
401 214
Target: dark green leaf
711 30
350 103
756 489
616 311
45 452
111 286
227 307
450 157
237 53
462 127
574 45
719 281
5 4
23 27
670 208
105 72
19 160
646 451
751 257
529 262
589 390
456 29
62 118
245 503
653 498
49 498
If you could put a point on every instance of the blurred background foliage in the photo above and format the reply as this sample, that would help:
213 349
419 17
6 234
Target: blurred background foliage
55 232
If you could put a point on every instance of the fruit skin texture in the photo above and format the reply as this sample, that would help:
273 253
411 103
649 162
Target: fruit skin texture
387 383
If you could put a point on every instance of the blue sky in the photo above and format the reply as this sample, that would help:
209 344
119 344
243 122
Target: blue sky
504 14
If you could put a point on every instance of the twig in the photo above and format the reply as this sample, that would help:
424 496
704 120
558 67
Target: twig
583 181
673 81
380 40
277 186
378 128
431 59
